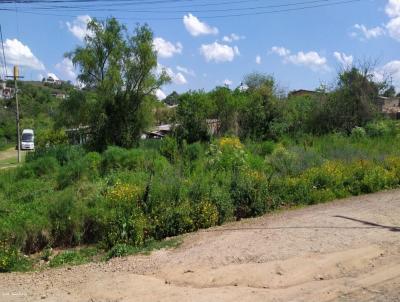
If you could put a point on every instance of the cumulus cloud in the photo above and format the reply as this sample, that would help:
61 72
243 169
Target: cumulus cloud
160 95
50 74
368 33
78 27
390 70
393 8
280 51
228 82
19 54
311 59
196 28
393 28
219 52
66 69
186 71
166 49
343 59
232 37
176 77
258 60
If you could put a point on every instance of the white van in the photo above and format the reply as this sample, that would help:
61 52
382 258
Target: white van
28 140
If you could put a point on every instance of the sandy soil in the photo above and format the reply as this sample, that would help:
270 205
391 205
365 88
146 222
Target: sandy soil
347 250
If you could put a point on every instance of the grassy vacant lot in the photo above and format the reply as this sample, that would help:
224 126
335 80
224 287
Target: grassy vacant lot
123 201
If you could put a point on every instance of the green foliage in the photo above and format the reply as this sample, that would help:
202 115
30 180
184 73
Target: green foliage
73 257
194 109
11 260
358 133
124 199
119 69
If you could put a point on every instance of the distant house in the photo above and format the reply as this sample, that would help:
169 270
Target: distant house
6 93
52 81
60 96
303 92
79 135
214 126
158 132
390 107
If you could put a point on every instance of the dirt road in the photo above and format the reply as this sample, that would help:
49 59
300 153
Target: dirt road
348 250
8 158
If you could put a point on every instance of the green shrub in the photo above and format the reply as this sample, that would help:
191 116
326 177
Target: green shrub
249 192
72 173
169 149
205 214
11 260
68 258
381 128
66 217
358 133
172 219
122 219
194 151
227 154
221 198
62 153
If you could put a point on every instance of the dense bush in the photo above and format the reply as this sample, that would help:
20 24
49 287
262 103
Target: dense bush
124 199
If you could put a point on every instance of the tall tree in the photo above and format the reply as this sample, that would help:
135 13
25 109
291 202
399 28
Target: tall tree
120 69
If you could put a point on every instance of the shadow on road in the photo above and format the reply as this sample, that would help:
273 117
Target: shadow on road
372 224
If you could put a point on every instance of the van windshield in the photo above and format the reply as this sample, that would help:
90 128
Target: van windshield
27 137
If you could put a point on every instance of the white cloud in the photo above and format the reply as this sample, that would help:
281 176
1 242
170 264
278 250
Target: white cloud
66 69
232 37
310 59
166 49
343 59
50 74
219 52
393 28
176 77
19 54
196 28
160 95
258 60
280 51
186 71
78 27
368 33
391 70
393 8
228 82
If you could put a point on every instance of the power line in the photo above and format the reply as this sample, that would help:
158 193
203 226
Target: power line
301 8
4 55
196 11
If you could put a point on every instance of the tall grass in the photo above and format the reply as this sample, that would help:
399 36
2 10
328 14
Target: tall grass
122 200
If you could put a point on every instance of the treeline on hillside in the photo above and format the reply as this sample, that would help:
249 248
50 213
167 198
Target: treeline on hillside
38 110
121 76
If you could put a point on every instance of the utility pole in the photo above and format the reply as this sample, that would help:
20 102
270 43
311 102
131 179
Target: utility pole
16 77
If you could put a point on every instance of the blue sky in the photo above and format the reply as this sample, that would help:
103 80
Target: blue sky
301 48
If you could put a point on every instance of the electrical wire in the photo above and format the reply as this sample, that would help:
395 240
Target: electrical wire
293 9
4 54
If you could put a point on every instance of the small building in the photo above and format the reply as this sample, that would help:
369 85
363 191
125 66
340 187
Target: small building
390 107
303 92
158 132
79 135
6 93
